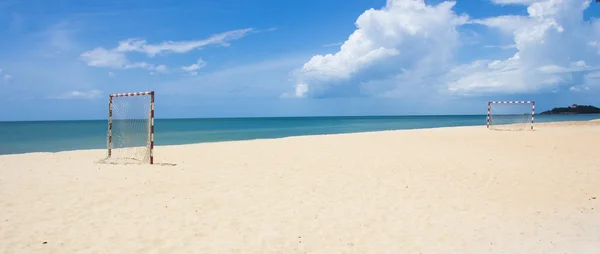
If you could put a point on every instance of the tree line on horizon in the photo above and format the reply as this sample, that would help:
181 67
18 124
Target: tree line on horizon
579 109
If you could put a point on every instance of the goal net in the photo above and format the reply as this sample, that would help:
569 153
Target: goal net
510 115
131 128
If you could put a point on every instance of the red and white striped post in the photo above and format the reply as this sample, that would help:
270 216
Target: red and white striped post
151 121
151 127
532 113
488 114
510 102
110 126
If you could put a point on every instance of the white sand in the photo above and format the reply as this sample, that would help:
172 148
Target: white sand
447 190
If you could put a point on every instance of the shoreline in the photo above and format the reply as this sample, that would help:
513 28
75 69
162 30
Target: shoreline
251 140
557 123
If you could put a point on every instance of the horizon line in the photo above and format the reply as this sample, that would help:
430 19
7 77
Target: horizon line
247 117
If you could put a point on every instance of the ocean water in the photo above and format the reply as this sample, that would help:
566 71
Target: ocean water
53 136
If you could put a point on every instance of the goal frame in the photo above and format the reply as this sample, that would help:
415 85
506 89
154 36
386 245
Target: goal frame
490 103
151 120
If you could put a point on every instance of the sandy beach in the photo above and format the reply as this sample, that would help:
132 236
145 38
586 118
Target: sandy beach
445 190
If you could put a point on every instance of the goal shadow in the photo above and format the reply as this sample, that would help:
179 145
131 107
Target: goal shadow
517 127
165 164
131 161
509 130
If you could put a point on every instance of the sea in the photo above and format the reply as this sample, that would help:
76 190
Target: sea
54 136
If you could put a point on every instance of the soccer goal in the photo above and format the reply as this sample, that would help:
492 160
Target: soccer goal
510 115
131 128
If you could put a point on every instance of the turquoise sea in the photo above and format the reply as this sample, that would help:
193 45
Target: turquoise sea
52 136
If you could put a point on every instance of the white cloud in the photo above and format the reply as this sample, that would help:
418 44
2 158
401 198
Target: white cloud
484 75
593 75
160 68
574 67
5 76
507 24
403 35
141 65
100 57
92 94
151 50
553 47
578 88
409 45
194 67
111 74
117 58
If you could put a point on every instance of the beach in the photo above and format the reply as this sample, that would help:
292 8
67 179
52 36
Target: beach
441 190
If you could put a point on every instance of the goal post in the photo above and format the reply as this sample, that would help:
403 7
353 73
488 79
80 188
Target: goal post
130 128
510 115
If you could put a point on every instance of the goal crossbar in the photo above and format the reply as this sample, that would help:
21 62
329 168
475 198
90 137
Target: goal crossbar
150 131
491 103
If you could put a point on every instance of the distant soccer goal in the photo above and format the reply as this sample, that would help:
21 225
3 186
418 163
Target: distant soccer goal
130 128
510 115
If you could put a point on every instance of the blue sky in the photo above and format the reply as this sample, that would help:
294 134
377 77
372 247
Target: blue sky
209 58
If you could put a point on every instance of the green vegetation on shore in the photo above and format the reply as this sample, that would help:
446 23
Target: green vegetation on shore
575 109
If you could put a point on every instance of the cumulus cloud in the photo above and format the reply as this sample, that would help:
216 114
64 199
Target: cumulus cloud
117 57
194 67
409 45
555 45
403 35
92 94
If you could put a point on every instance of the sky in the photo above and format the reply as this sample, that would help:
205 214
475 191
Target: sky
59 60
